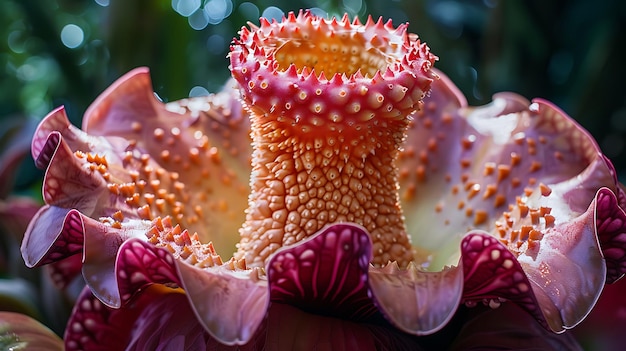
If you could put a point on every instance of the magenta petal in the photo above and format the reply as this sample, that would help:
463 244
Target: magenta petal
93 326
63 272
611 224
508 328
491 272
325 274
140 264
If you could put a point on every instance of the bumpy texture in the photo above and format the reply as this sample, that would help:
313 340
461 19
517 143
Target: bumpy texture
329 103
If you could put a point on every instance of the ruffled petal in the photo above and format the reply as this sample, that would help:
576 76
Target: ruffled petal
493 275
201 144
526 174
325 274
102 190
429 299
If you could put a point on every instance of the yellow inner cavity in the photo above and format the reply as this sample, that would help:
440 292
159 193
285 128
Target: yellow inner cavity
337 54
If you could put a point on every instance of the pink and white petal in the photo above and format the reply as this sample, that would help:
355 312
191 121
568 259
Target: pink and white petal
56 127
193 147
53 234
325 274
462 165
566 259
231 305
611 226
68 182
416 301
101 250
20 332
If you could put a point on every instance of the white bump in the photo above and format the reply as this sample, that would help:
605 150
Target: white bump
495 254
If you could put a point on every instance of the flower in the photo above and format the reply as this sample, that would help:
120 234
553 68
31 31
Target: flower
350 198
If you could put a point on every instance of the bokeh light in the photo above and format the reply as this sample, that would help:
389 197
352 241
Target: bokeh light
72 36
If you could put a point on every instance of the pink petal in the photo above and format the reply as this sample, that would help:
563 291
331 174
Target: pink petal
325 274
20 332
53 234
216 294
201 143
429 299
527 174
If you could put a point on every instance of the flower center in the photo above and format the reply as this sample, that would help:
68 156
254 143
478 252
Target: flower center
342 54
325 149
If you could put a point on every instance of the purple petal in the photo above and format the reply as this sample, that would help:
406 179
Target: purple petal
325 274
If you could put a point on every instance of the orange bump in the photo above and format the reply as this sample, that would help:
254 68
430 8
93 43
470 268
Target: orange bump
480 217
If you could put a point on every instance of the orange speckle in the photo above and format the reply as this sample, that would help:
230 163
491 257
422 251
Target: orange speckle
545 190
515 182
549 220
118 216
473 190
503 172
515 159
432 144
420 173
466 143
490 167
544 210
136 127
499 200
423 156
455 189
465 163
534 216
558 155
535 166
469 212
439 207
460 205
528 191
490 190
144 212
535 235
523 210
480 217
524 231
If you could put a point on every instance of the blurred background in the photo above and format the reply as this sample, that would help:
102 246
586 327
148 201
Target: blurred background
66 52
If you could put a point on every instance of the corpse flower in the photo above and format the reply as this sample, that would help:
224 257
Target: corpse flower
343 189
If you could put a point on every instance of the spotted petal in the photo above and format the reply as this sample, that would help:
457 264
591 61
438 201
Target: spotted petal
526 174
326 274
105 189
